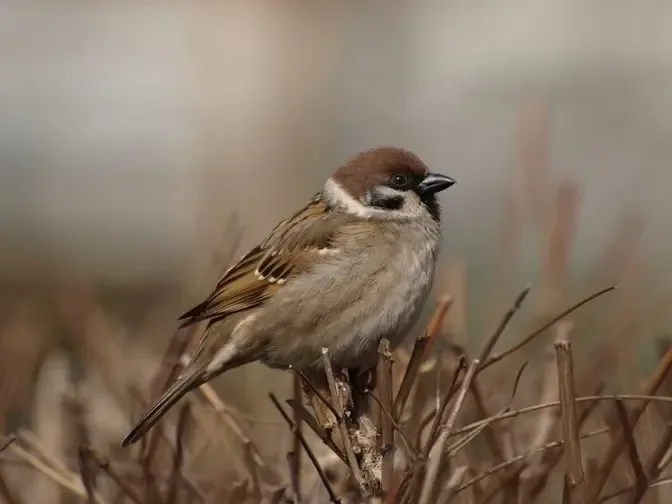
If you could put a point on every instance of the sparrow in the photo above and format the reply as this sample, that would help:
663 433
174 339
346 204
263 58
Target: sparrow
353 266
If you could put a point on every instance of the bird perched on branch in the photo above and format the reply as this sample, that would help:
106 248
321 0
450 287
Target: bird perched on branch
353 266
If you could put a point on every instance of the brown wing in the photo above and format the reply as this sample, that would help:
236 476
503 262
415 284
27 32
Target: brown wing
262 271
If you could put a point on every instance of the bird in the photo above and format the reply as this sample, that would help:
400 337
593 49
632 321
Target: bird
353 266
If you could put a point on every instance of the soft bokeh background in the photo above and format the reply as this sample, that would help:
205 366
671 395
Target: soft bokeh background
130 133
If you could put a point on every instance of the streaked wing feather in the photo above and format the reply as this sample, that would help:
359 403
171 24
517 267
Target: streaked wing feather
263 270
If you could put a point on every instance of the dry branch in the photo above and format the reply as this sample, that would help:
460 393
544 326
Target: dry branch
6 442
106 465
596 484
6 492
508 463
437 451
337 401
631 444
295 457
420 349
570 429
226 415
385 405
332 495
496 358
555 404
653 468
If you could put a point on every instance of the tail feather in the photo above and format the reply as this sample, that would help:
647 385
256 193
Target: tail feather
168 399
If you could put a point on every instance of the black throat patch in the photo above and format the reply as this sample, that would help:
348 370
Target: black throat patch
432 205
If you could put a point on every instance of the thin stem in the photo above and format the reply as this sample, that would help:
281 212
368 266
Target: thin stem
437 451
555 404
323 477
338 403
422 344
498 357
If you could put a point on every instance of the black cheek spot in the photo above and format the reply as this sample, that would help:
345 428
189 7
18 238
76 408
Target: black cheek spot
386 201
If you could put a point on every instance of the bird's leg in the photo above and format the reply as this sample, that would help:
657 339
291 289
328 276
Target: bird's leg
362 382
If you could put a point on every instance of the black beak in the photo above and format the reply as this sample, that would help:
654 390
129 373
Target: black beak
434 183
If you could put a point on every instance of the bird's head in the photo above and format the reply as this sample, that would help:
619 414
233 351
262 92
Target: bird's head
386 183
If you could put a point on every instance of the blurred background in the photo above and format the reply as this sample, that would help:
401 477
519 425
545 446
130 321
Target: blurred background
143 144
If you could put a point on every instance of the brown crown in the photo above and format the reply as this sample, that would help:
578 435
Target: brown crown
375 166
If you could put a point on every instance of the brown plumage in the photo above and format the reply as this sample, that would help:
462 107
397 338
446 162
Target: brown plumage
287 251
374 167
351 267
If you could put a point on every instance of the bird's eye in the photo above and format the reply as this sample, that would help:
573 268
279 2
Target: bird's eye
400 180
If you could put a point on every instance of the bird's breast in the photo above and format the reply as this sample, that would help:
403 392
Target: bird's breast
368 291
408 280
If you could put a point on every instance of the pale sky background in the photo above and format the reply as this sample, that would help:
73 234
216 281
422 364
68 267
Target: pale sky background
123 125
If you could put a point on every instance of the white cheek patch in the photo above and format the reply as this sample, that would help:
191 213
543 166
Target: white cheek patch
335 194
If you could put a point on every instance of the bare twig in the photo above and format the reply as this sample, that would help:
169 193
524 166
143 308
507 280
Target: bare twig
518 458
551 459
653 468
248 455
105 464
276 496
493 437
555 404
438 417
178 456
312 423
631 444
570 431
395 425
87 467
6 442
293 480
618 493
295 458
89 476
596 483
332 495
437 451
456 478
490 343
318 393
36 447
453 449
418 355
338 403
6 492
225 414
385 405
498 357
461 443
239 492
70 481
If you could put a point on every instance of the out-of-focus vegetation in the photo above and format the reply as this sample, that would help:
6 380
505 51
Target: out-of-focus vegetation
143 147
